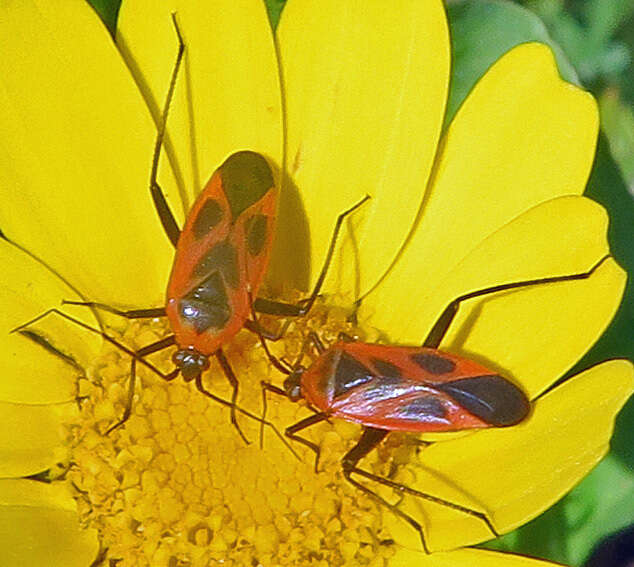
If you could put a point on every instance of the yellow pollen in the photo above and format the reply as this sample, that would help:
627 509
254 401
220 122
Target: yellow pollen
176 486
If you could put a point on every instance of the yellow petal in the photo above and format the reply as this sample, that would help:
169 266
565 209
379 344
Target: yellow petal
75 154
464 558
536 333
32 373
365 92
32 438
227 93
522 137
514 474
39 526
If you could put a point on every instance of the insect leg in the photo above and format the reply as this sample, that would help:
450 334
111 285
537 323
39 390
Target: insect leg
291 432
440 328
257 329
346 338
150 313
166 216
136 355
282 309
128 406
226 368
429 497
263 422
369 440
139 355
285 368
266 386
104 336
254 326
314 338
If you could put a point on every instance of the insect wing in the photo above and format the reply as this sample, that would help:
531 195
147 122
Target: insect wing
253 238
415 389
214 267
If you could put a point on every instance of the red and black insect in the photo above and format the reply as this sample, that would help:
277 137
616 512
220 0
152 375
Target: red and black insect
221 257
389 388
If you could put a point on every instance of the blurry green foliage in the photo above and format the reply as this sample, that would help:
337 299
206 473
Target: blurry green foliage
586 31
569 530
593 41
481 32
617 121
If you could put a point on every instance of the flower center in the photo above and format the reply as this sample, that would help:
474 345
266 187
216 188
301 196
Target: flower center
176 485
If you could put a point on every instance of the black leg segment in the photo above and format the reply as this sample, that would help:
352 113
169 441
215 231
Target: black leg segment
226 368
440 328
201 388
369 440
170 226
150 313
139 355
292 431
299 309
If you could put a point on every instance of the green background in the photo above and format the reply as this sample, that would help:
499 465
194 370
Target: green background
594 44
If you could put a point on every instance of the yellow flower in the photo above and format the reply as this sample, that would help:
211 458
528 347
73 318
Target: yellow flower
364 91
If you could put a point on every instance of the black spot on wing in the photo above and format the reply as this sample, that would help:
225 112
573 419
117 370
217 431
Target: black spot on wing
492 398
256 229
386 369
434 363
206 306
349 374
209 215
246 177
223 258
423 407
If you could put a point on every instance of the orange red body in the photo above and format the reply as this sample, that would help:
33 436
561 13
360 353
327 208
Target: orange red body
222 254
415 389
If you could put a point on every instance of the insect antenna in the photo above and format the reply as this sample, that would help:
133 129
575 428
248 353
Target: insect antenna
201 388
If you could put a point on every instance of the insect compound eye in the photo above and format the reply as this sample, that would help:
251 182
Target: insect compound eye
292 385
191 363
